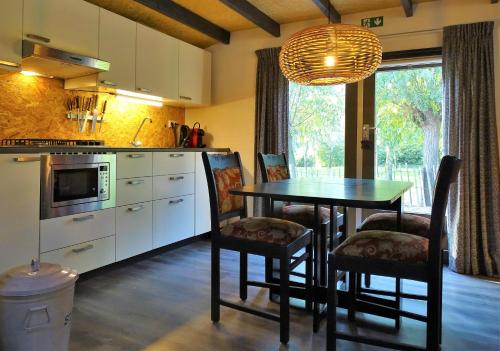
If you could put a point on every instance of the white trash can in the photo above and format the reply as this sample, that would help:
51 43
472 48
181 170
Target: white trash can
35 307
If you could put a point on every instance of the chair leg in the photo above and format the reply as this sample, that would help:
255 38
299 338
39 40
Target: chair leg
309 278
215 293
243 275
284 300
433 314
397 320
331 324
351 311
322 255
440 301
358 282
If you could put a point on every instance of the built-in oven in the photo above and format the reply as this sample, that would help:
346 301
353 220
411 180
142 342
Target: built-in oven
77 183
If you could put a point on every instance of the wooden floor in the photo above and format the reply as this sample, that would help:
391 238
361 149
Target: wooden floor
163 303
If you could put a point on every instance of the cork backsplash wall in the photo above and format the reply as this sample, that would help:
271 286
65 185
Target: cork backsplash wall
35 107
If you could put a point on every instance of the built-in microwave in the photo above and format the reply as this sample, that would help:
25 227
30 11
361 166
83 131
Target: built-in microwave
77 183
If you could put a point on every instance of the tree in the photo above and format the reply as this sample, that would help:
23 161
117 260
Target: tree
412 98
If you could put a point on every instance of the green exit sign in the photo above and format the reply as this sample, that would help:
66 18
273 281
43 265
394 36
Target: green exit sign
373 22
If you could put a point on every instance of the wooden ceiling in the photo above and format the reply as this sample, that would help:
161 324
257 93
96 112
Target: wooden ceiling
215 11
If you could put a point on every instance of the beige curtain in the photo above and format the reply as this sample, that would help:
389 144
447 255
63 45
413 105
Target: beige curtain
470 132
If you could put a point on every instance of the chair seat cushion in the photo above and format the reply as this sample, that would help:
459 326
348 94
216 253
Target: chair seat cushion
265 229
385 245
412 224
304 214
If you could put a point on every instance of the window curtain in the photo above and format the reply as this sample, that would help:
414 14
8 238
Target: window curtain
271 110
470 133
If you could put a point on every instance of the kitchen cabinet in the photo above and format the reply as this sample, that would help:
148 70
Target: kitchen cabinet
157 63
202 220
194 75
134 230
134 190
71 25
173 220
11 28
173 185
173 163
134 164
19 209
85 256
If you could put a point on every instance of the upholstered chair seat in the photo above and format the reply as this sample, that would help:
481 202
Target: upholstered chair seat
386 245
304 214
412 224
264 229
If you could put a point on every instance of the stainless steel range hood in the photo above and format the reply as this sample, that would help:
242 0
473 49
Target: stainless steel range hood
57 63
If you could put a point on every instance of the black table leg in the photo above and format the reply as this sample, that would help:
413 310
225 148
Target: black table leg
397 323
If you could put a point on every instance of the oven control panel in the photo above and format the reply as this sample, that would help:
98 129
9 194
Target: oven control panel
104 181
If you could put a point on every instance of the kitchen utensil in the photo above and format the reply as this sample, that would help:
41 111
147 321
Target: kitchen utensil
184 136
196 139
103 111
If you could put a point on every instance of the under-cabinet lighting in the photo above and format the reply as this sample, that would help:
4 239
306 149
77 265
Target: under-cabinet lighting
138 95
139 101
30 73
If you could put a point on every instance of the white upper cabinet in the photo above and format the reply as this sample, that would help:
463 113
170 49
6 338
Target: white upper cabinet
71 25
11 28
117 45
194 74
157 63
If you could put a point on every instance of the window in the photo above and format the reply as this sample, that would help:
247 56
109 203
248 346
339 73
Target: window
316 145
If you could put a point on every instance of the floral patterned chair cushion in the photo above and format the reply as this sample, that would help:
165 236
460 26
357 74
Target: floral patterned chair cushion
412 224
278 172
385 245
304 214
264 229
225 179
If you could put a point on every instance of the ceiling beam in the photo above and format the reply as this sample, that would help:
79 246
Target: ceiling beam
181 14
328 10
408 7
253 14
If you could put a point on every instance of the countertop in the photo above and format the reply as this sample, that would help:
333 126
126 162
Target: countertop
65 149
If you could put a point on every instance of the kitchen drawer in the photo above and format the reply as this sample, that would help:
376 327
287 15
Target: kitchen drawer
134 230
133 164
84 257
131 191
173 220
70 230
173 162
173 185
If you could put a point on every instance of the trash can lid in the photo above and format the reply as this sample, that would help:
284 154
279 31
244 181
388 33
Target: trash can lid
35 279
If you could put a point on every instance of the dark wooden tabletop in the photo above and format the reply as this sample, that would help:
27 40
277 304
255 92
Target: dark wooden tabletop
348 192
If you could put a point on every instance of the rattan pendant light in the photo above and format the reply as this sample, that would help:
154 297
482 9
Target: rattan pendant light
332 53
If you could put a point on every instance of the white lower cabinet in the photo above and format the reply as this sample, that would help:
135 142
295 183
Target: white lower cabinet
84 257
134 230
173 220
202 222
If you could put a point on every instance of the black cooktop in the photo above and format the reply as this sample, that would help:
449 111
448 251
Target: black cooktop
50 142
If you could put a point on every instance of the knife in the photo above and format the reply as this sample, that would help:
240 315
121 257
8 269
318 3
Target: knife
93 112
77 107
103 111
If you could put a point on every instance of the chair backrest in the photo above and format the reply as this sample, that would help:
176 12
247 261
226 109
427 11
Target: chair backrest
224 171
447 175
273 167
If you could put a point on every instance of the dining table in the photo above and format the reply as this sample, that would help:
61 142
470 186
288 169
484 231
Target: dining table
332 192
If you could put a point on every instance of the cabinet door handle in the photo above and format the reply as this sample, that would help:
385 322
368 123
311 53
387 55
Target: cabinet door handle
84 218
144 90
176 201
135 182
109 83
176 155
185 97
136 156
176 178
26 159
38 37
136 209
82 249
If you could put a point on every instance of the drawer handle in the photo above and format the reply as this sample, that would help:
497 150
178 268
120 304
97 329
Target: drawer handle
84 218
135 182
108 83
185 97
176 178
176 201
136 209
82 249
26 159
136 156
38 37
144 90
176 155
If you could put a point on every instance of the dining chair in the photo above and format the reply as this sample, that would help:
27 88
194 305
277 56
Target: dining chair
274 167
264 236
399 255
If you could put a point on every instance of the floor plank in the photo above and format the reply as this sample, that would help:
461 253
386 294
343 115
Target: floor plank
163 303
